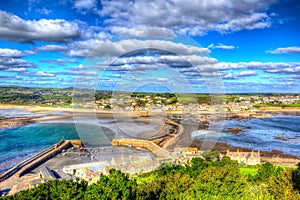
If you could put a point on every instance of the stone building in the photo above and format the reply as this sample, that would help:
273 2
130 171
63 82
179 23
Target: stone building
249 158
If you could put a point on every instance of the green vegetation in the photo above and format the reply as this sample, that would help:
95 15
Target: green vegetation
64 98
36 96
199 179
277 105
249 171
211 155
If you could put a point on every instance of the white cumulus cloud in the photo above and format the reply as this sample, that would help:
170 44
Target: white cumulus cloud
285 50
191 16
14 28
98 48
10 53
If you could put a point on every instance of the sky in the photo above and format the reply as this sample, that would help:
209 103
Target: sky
207 46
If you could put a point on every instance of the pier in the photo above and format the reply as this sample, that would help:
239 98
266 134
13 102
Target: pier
151 146
31 163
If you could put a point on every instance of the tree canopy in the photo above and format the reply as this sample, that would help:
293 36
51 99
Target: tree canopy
198 179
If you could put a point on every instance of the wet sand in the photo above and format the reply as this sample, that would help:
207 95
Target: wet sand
184 140
14 122
168 141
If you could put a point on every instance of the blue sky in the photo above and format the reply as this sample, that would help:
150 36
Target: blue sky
238 46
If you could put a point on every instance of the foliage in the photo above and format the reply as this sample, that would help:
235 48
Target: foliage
266 171
116 185
296 177
199 179
248 171
211 155
277 105
55 190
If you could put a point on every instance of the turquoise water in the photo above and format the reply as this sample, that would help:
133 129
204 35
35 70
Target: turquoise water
19 143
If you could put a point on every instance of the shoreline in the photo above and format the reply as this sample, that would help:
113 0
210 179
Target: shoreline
167 141
275 156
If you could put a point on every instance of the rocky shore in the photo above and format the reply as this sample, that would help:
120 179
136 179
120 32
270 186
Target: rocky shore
202 120
185 140
274 156
234 130
14 122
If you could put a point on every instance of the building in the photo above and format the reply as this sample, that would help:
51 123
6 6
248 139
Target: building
191 150
86 171
46 173
249 158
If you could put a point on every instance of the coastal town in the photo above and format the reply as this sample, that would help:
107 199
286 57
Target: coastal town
43 166
78 163
148 102
71 159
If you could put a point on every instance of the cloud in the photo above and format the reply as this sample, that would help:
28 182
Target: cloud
85 4
144 32
221 46
246 73
53 48
247 22
257 65
170 60
37 74
285 50
49 48
75 73
13 28
288 70
191 17
98 48
44 11
61 62
11 53
265 77
268 67
22 69
9 63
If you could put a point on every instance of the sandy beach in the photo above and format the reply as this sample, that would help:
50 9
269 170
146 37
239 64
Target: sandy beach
182 136
174 132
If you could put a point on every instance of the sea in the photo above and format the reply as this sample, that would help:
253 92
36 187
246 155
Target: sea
266 134
19 143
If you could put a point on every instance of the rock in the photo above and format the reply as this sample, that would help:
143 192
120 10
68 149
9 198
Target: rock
280 138
235 130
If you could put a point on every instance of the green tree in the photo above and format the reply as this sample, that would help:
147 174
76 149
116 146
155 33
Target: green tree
216 181
296 177
55 190
194 168
267 170
211 155
281 186
116 185
151 189
176 185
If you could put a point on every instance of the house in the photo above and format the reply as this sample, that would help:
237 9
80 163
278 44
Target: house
249 158
46 173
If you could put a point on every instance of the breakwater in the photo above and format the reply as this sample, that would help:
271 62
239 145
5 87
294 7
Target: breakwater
151 146
36 160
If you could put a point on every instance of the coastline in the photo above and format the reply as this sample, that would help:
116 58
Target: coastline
168 141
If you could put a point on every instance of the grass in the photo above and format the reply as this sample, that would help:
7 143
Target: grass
145 178
277 105
291 105
248 171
